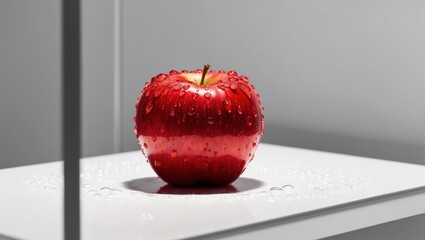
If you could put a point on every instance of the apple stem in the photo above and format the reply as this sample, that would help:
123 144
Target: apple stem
206 67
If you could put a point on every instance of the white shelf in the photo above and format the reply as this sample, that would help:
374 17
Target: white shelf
123 199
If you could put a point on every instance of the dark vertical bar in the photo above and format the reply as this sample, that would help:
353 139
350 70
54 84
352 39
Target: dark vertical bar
71 74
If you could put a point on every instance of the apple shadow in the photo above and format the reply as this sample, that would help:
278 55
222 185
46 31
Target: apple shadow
156 185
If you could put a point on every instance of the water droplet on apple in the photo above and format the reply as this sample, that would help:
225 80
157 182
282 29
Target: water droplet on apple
186 86
207 95
254 144
205 149
182 93
244 78
177 87
233 87
135 129
157 163
240 111
254 111
191 111
159 90
205 162
161 77
242 164
210 120
173 72
232 73
145 145
154 138
172 113
148 92
221 86
227 105
249 120
148 123
245 89
149 107
195 96
262 127
174 154
226 85
219 112
166 91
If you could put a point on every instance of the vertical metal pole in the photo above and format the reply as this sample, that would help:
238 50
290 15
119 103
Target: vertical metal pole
71 126
118 137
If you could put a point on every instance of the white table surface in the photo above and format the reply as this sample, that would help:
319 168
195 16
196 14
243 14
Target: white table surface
323 194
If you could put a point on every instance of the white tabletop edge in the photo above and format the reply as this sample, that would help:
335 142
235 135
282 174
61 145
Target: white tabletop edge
312 214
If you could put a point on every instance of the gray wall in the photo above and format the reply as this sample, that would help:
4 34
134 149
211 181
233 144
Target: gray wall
30 101
344 76
29 82
97 77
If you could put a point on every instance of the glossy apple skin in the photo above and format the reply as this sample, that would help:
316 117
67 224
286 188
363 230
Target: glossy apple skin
197 134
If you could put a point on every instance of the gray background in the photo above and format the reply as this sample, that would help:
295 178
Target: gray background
344 76
30 100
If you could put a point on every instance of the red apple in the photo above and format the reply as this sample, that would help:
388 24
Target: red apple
199 127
